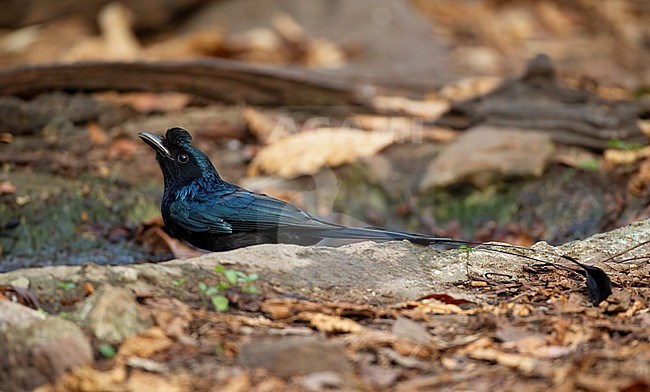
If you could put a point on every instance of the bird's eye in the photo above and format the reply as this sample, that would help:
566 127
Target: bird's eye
182 158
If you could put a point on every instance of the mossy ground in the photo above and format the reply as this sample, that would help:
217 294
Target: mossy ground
53 220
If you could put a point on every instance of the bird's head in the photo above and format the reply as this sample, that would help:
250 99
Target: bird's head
180 162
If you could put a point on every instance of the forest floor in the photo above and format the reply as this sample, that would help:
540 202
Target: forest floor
345 121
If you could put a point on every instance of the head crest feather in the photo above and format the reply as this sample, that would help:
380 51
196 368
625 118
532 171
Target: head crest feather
176 136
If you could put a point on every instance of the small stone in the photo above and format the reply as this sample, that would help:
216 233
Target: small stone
480 58
485 155
113 314
380 376
127 274
21 282
95 273
36 349
408 329
294 356
319 381
22 200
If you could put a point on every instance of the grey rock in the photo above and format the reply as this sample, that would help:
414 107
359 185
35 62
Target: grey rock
21 282
387 272
12 314
112 314
408 329
35 349
295 356
380 376
319 381
382 273
484 155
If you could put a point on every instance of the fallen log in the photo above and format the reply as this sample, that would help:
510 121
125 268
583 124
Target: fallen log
216 79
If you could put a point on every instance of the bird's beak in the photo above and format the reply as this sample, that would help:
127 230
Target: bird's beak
155 142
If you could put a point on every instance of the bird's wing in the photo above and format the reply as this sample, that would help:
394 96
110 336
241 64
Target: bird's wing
249 211
198 217
237 210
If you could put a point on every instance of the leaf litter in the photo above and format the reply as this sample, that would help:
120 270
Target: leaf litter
542 331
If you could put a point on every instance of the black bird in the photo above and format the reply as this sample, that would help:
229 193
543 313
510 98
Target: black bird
206 211
210 213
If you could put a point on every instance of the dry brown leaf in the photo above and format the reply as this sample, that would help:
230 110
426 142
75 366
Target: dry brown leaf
575 303
331 324
145 381
523 363
319 52
282 308
307 152
177 247
7 188
554 18
147 102
146 343
428 109
408 348
372 338
469 88
261 40
279 308
521 310
575 158
89 289
267 129
633 310
19 40
530 345
257 321
172 315
88 379
288 28
623 157
118 42
6 137
115 21
405 129
238 383
96 134
198 44
639 182
432 306
324 53
598 383
644 125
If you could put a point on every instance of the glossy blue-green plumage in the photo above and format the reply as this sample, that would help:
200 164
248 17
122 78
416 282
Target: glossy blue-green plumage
201 208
